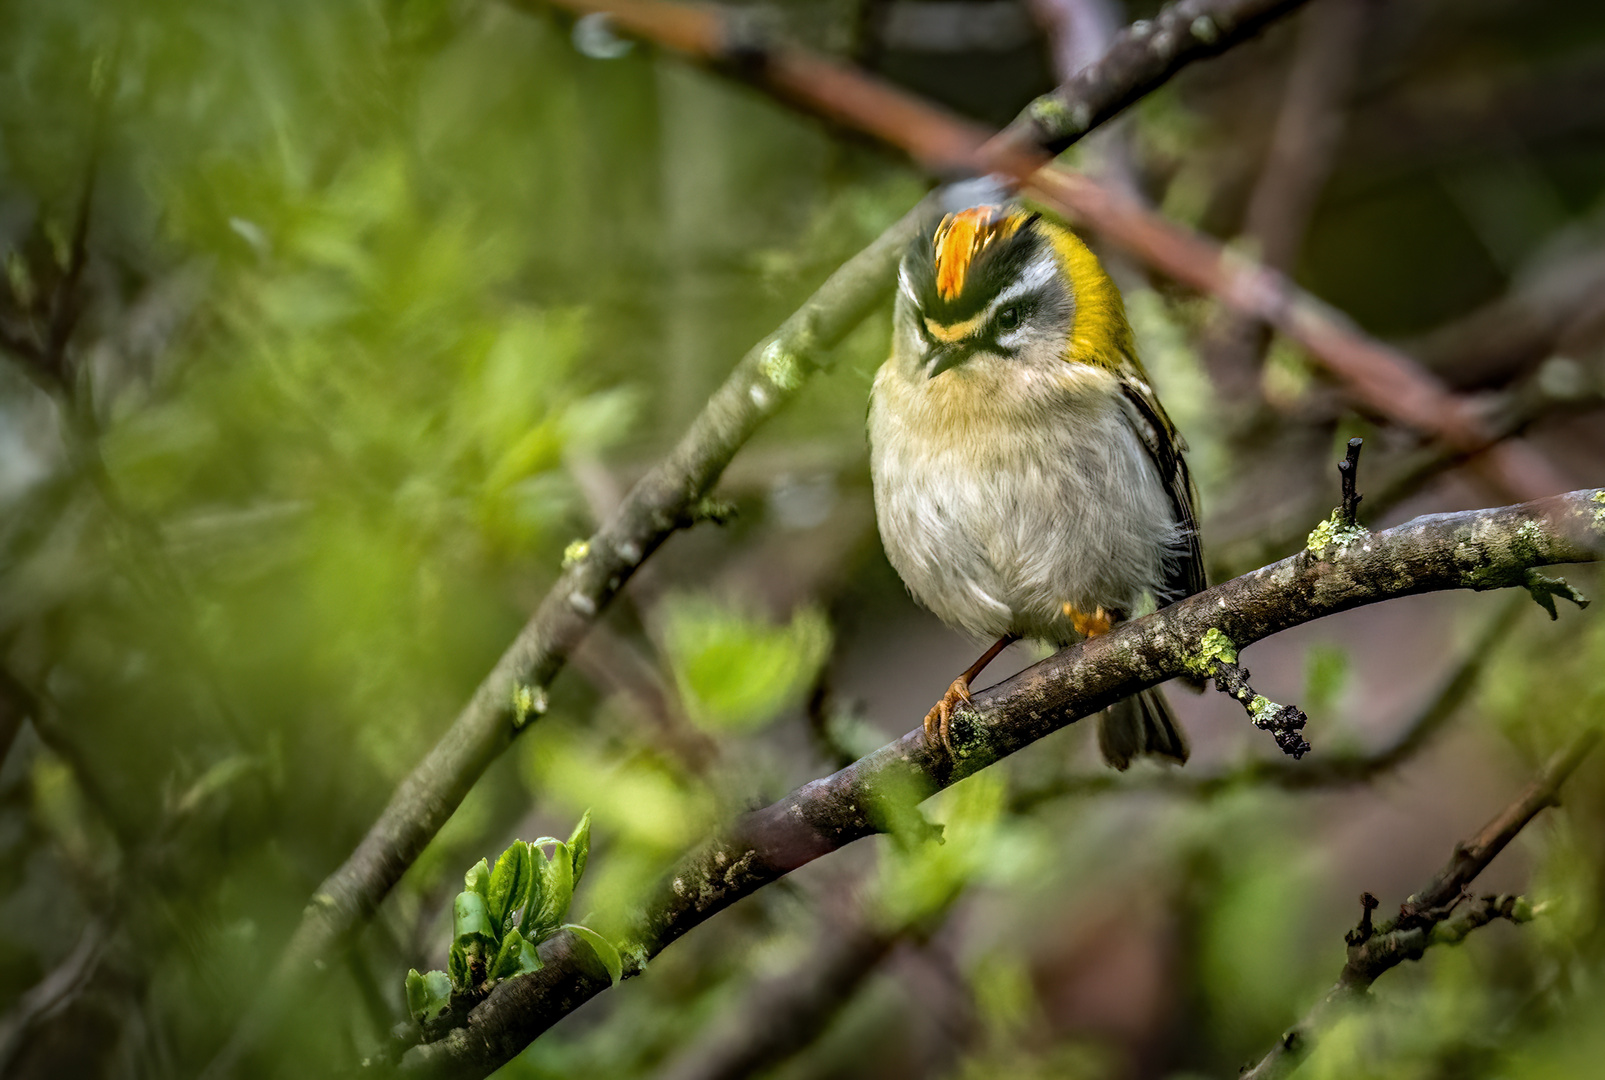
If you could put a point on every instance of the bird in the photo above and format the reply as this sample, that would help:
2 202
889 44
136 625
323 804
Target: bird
1027 481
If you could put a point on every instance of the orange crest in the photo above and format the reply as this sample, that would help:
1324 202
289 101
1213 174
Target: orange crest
963 236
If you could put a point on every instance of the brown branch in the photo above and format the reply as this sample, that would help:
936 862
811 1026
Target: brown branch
1379 378
1557 307
1141 58
1480 550
1434 914
1245 541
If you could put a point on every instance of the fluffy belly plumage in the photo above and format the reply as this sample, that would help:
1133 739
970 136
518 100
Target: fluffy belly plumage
1002 539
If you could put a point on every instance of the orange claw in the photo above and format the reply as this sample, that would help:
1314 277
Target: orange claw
939 721
1089 625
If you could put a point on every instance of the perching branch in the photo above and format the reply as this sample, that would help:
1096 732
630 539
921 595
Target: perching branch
1480 550
1324 771
1284 722
765 379
1437 914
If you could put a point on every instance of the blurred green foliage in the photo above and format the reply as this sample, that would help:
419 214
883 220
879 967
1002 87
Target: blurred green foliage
736 673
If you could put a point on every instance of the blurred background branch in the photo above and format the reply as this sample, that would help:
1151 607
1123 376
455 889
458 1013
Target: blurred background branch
1440 912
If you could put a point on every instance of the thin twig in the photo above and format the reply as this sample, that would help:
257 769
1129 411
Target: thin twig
1349 473
1253 540
879 793
1434 914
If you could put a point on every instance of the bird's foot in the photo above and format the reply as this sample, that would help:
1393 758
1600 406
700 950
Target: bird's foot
939 721
1088 626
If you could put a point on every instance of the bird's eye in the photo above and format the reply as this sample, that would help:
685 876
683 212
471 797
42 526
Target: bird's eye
1008 318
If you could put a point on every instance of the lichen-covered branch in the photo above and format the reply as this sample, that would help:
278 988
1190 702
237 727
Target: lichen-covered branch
1140 58
1323 771
1441 913
1484 549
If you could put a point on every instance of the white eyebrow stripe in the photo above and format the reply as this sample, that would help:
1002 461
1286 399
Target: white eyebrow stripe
905 285
1037 274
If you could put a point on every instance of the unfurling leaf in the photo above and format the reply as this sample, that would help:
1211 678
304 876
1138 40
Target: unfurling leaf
477 880
579 845
517 956
428 996
510 884
604 949
470 920
557 892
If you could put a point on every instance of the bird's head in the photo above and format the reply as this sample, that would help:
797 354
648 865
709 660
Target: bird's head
994 291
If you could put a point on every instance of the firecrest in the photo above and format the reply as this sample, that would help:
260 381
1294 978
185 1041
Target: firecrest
1028 483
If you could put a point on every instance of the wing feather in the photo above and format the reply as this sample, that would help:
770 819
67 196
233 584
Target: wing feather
1165 446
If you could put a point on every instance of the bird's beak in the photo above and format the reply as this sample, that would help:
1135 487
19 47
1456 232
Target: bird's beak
944 357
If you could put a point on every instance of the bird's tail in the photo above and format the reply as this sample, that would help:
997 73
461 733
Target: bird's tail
1140 724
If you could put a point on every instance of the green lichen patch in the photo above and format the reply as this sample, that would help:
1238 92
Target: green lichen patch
709 508
575 552
528 702
1599 515
1214 646
1332 534
1051 113
781 367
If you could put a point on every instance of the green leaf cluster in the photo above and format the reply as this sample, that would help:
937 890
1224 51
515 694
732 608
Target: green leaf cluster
737 673
500 919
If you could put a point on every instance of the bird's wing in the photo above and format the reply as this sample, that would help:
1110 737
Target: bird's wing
1165 445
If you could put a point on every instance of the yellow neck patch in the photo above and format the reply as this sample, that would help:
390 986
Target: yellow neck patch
1101 335
963 236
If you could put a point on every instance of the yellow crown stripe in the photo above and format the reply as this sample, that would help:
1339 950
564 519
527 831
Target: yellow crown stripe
949 333
963 236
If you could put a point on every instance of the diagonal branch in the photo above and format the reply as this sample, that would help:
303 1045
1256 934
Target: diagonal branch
1484 549
768 376
1433 915
1378 377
